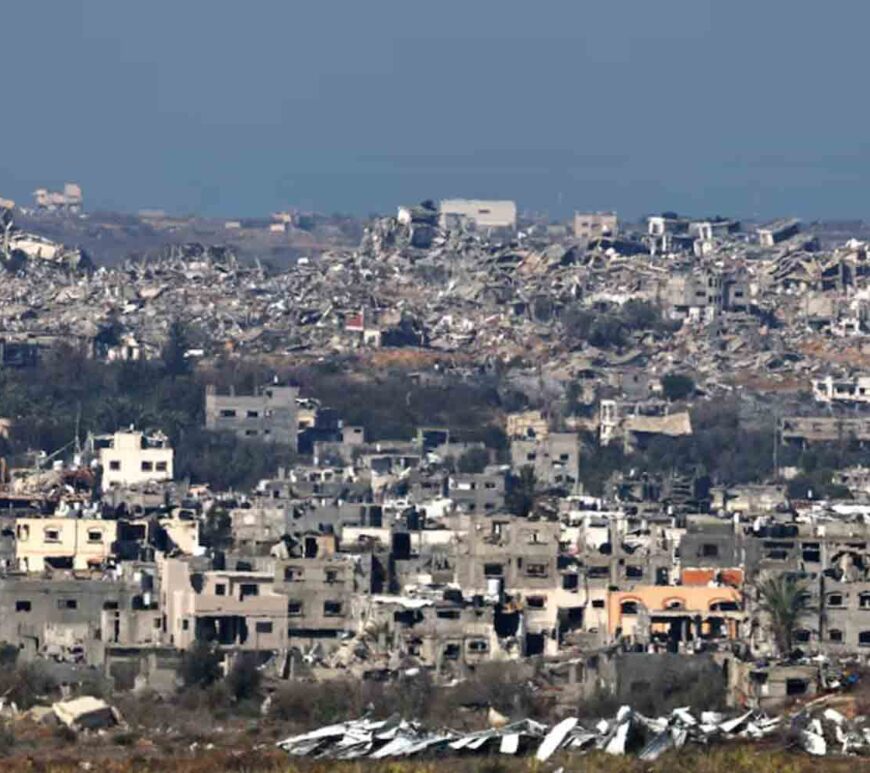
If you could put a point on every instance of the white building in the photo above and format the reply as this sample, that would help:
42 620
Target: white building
482 214
132 457
842 390
69 199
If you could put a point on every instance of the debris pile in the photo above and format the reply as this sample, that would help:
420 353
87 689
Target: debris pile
629 732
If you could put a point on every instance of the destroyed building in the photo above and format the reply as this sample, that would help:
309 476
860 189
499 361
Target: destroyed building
269 415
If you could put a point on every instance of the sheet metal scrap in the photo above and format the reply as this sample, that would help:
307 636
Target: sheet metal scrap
629 732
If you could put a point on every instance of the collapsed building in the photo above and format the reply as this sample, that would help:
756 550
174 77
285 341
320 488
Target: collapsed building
376 557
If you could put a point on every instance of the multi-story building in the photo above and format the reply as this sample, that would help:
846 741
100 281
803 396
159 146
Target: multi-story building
239 610
129 458
555 459
63 543
595 225
483 215
269 415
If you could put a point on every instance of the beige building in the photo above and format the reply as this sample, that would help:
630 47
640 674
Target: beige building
594 225
479 213
526 425
131 457
63 543
239 610
184 533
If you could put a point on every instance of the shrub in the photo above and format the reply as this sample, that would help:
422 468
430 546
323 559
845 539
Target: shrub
200 665
472 461
243 680
677 386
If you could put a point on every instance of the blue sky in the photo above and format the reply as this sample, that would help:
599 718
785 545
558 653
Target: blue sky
750 108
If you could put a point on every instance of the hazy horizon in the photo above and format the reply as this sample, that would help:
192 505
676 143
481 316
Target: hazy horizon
223 109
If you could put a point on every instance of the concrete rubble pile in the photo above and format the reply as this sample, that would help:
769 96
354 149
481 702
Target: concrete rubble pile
628 732
493 297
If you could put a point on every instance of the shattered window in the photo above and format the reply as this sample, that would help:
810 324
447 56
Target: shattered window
536 570
67 604
228 413
451 652
332 609
292 574
294 608
52 535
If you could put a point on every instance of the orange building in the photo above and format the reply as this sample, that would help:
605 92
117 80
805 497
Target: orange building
680 613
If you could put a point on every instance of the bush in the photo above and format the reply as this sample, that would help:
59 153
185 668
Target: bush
200 665
317 704
244 679
677 386
27 685
473 461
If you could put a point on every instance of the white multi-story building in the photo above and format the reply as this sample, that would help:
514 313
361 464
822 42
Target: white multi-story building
133 457
842 390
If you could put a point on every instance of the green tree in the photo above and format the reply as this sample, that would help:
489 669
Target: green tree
243 680
175 349
677 386
784 599
473 460
522 492
200 665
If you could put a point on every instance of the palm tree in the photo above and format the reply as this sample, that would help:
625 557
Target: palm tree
785 599
522 492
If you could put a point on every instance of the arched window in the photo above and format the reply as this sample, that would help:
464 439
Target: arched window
629 607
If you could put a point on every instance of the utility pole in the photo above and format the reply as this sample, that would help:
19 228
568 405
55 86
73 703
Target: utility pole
776 445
